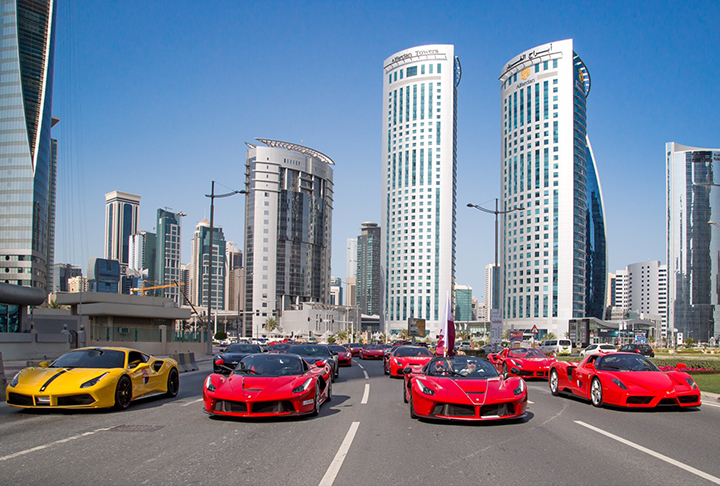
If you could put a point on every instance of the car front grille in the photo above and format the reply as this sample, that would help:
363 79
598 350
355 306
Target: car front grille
688 399
82 399
639 400
279 406
18 399
498 409
454 410
230 406
667 402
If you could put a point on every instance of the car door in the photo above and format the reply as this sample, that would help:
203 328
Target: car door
582 375
139 375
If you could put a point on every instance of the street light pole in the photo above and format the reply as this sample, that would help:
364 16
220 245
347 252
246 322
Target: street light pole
212 197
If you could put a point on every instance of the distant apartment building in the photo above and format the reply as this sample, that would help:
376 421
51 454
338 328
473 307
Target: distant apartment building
169 237
122 215
201 292
336 291
288 218
234 288
104 275
693 241
143 258
482 312
369 285
642 288
491 274
78 284
62 272
463 303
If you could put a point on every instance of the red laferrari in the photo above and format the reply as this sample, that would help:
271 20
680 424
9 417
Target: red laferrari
403 356
269 385
523 362
463 388
624 380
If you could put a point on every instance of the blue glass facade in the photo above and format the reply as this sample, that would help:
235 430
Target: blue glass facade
26 152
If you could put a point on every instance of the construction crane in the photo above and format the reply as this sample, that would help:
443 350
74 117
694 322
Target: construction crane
144 289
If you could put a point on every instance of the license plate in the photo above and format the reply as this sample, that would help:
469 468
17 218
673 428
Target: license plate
307 402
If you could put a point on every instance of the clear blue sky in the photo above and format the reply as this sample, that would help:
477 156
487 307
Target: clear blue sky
157 98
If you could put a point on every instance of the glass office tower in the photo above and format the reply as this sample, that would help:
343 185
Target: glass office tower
368 269
553 249
693 242
419 189
27 173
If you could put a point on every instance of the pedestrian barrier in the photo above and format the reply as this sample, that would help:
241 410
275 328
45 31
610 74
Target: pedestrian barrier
185 361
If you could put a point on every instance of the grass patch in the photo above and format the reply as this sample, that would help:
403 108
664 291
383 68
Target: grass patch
708 383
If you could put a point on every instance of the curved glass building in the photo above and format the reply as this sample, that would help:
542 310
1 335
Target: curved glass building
554 254
27 153
419 173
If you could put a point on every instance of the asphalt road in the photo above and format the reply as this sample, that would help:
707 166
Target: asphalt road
363 436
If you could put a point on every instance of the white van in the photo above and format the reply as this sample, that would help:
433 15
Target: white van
556 346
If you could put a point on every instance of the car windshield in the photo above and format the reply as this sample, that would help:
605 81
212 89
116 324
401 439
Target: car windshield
607 346
243 348
461 367
271 365
404 352
625 362
309 350
526 353
91 358
564 342
336 348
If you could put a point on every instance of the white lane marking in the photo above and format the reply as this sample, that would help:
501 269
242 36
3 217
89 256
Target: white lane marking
366 375
662 457
366 394
531 403
45 446
335 465
361 366
705 404
191 403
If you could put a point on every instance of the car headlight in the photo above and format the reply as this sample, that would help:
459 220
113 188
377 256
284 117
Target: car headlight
209 385
619 383
303 387
94 381
14 381
691 382
520 388
425 389
517 363
397 362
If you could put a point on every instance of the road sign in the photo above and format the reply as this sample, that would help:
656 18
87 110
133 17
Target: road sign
495 326
535 330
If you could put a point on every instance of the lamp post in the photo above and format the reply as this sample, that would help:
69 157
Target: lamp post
212 197
496 268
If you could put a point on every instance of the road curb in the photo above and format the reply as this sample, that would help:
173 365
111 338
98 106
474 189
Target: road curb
711 397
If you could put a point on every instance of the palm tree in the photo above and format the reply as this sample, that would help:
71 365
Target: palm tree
341 335
270 324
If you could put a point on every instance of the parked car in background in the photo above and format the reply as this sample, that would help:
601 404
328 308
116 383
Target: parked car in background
598 348
556 346
643 349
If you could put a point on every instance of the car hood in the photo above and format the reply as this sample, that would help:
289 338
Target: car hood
649 380
232 356
413 360
260 386
58 378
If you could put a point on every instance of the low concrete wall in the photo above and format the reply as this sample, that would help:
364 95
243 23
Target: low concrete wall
31 345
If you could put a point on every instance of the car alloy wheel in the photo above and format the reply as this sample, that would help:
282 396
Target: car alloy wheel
412 407
173 383
596 393
554 383
316 402
123 393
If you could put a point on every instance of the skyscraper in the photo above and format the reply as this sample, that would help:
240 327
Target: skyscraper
642 287
199 267
693 241
553 253
288 229
368 269
167 269
419 172
463 304
27 155
122 213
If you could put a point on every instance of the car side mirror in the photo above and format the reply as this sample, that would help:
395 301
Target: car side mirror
319 363
221 350
141 366
590 366
43 364
680 366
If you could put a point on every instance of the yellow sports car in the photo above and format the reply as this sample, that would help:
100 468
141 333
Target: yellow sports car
94 378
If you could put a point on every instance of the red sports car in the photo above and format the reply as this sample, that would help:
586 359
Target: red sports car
355 348
463 388
344 355
269 385
523 362
624 380
372 351
403 356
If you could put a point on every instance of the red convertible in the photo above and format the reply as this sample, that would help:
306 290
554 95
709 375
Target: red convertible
524 362
624 380
463 388
403 356
269 385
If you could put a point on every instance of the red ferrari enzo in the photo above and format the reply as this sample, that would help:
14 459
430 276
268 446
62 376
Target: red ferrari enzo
524 362
624 380
403 356
269 385
463 388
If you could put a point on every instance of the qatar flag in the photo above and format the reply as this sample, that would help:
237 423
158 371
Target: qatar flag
446 340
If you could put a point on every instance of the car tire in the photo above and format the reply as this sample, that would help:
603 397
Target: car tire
173 383
385 370
316 402
405 390
506 372
554 383
413 415
596 393
329 392
123 393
